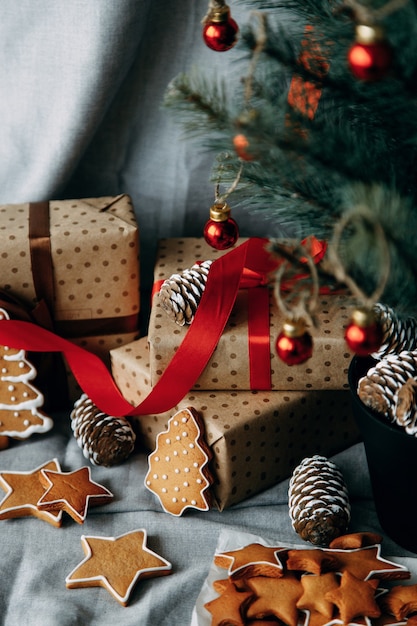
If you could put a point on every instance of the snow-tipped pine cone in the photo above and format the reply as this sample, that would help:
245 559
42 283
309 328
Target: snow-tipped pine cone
379 387
180 294
398 334
318 501
104 439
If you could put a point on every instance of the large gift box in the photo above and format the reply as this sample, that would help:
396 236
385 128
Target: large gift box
231 365
256 437
81 257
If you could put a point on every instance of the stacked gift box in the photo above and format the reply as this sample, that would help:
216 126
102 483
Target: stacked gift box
73 265
256 436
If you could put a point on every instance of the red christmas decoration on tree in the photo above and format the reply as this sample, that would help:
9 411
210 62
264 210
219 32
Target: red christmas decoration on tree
294 344
364 334
370 57
221 231
220 29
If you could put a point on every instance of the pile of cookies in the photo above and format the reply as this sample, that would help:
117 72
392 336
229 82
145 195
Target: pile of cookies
347 583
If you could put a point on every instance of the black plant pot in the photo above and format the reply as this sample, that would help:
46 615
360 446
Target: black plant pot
392 461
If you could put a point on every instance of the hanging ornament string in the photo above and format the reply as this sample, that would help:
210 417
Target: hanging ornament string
294 344
240 141
221 231
307 299
364 333
360 213
365 15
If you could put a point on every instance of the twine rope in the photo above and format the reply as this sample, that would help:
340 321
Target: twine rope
359 213
307 299
365 15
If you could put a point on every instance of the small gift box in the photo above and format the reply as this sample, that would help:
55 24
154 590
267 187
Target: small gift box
256 437
236 362
80 258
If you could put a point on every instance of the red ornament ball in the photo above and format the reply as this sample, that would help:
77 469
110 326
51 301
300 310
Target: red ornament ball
220 36
371 61
221 235
241 145
294 345
364 335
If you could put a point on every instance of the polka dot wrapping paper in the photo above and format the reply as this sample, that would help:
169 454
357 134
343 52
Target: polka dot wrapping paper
93 257
256 438
229 366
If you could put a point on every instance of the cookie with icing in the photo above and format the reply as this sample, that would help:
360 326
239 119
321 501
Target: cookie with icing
178 471
117 564
71 492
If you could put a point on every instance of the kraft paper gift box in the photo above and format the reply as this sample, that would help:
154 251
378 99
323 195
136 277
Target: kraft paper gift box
256 438
228 367
80 257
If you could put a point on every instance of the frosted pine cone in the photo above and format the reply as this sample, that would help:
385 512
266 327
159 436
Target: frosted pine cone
318 502
405 406
180 294
378 389
104 440
398 334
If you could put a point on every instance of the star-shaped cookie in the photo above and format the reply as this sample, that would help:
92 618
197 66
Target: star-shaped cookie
117 563
23 490
254 559
72 492
367 563
275 597
354 598
229 607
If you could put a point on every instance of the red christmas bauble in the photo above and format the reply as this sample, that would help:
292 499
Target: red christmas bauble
294 345
241 145
364 334
221 235
221 231
220 36
370 56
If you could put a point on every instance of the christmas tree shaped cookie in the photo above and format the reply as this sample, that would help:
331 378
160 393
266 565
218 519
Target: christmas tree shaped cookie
20 401
178 468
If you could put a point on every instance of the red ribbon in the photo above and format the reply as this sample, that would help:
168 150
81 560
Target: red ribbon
189 360
246 266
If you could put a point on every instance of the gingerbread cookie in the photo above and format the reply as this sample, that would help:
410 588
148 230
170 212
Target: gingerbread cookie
20 401
354 598
72 492
254 559
117 564
23 490
355 540
311 587
230 606
401 601
178 468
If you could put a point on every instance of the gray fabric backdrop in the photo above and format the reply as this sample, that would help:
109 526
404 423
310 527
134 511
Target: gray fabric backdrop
82 83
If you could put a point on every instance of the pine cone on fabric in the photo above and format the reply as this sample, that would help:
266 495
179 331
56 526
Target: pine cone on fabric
180 294
378 389
319 504
398 334
104 439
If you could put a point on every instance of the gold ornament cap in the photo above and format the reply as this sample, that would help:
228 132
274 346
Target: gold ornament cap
368 35
220 212
294 328
218 15
363 317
